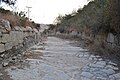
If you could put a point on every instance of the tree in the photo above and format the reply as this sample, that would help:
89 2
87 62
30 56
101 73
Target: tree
114 14
8 2
99 16
52 26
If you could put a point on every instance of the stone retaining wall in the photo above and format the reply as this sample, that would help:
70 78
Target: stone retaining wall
15 38
9 38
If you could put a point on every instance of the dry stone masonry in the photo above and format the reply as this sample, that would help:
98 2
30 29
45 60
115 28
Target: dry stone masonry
10 38
13 42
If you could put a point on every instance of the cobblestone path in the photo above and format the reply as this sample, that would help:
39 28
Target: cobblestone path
62 61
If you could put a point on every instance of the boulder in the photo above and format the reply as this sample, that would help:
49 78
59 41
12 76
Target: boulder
29 29
17 28
5 63
35 30
2 49
5 25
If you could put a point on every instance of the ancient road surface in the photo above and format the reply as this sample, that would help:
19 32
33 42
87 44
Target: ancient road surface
56 59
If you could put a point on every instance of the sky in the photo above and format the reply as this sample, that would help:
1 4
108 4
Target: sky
45 11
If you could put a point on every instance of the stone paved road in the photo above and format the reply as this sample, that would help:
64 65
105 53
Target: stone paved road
61 61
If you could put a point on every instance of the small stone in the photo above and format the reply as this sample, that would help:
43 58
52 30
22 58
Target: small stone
97 56
102 63
19 55
2 55
4 64
112 77
94 62
112 63
90 58
112 67
96 66
81 55
95 59
117 75
86 68
101 78
21 60
94 69
100 59
93 78
99 74
86 55
108 71
87 74
84 78
1 74
13 68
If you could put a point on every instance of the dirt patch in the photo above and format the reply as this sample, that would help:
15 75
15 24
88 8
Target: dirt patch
34 53
38 48
34 56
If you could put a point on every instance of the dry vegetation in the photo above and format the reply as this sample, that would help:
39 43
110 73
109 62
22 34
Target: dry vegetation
16 19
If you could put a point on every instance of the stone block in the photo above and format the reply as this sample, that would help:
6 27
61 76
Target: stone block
30 33
102 63
0 39
15 42
117 76
21 35
5 38
111 38
17 37
8 46
26 34
108 71
20 41
5 25
13 36
87 74
2 49
20 38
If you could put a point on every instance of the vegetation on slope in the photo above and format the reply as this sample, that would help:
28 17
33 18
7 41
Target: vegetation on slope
98 16
95 21
17 19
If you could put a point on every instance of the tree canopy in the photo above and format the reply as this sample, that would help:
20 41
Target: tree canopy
98 16
8 2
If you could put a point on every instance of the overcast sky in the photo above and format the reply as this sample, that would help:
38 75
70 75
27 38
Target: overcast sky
45 11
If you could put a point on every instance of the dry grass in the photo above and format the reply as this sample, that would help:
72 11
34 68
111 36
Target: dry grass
15 20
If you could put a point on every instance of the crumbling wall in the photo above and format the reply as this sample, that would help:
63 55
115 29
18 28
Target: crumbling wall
19 36
14 41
